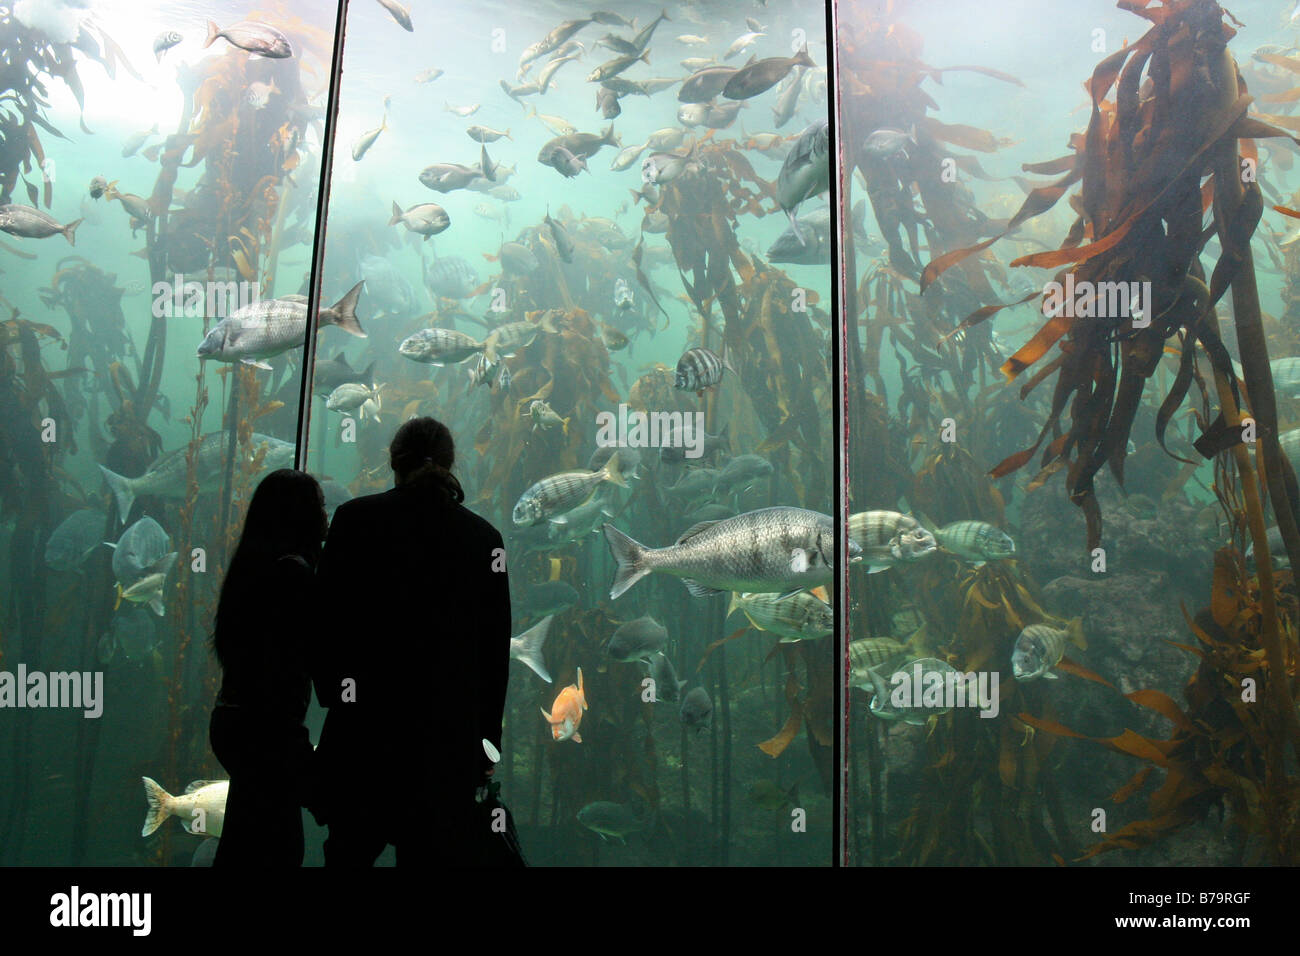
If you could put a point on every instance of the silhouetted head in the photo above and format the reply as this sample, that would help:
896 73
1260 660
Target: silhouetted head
422 455
286 516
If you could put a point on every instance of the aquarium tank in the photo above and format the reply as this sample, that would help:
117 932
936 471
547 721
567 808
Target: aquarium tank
890 434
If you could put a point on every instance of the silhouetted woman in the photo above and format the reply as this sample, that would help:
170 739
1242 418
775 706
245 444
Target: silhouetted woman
413 662
257 729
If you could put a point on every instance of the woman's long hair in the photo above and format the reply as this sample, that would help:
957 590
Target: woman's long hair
286 516
422 455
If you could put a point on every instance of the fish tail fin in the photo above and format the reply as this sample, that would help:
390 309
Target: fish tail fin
70 231
726 364
121 488
213 32
803 58
368 375
117 590
733 605
614 471
397 214
530 654
566 425
508 136
344 315
1074 630
630 555
548 323
663 15
158 806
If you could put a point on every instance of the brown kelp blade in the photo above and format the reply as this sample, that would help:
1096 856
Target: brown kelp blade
1037 202
987 312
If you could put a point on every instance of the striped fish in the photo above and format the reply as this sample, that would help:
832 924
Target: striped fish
440 347
868 654
976 541
507 339
480 373
795 617
917 673
1040 647
889 538
563 492
699 369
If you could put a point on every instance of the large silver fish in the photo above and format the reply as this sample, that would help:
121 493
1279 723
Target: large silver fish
28 222
252 36
552 41
703 85
445 177
806 172
272 326
425 219
166 478
776 550
759 76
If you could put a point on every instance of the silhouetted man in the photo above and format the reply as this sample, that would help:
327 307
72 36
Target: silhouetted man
413 661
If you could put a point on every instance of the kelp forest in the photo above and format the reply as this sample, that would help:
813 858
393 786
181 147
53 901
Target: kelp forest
1120 448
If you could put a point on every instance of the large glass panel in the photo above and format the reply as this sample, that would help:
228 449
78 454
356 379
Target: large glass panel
581 263
1051 454
159 178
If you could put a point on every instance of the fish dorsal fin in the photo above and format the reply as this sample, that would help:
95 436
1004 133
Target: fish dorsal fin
693 530
200 784
342 359
751 60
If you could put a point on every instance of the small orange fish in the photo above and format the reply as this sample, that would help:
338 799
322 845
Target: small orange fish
566 713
